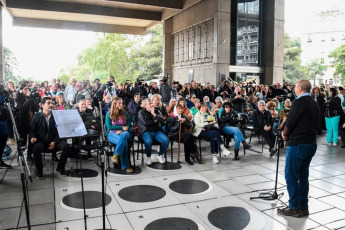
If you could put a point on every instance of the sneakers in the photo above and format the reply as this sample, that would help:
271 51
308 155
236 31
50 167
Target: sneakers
215 159
115 158
334 144
224 150
161 159
129 170
148 161
61 171
290 212
329 144
3 165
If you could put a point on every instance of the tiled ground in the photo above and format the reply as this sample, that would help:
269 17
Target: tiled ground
231 184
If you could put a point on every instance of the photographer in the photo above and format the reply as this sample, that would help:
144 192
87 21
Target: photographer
165 91
140 88
4 132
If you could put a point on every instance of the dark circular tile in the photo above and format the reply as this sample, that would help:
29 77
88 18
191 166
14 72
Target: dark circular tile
123 172
189 186
172 223
93 200
142 193
230 218
87 173
166 166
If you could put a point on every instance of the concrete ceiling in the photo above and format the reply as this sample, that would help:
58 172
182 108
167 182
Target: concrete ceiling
110 16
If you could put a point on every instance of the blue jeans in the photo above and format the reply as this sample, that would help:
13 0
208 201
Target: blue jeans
149 137
238 137
121 142
298 158
332 125
214 137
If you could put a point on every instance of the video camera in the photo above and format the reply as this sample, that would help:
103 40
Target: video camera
35 95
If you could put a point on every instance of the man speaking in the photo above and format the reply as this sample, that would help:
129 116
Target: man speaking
300 133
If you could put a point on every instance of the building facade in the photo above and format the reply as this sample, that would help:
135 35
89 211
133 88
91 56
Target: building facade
218 39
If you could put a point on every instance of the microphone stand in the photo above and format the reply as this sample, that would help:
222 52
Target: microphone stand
24 167
273 195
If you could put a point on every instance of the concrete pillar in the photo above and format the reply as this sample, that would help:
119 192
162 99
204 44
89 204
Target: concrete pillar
274 41
167 46
1 51
221 57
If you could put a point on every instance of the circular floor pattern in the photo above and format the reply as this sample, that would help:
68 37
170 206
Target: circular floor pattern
230 218
93 200
166 166
172 223
87 173
142 193
117 172
189 186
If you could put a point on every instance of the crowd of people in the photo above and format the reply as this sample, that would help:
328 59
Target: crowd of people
158 113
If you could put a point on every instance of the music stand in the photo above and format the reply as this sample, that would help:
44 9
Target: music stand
69 124
24 165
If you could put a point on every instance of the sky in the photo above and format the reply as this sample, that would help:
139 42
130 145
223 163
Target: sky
41 53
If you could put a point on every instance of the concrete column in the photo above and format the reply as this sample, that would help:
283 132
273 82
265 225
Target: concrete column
1 51
274 41
221 57
167 46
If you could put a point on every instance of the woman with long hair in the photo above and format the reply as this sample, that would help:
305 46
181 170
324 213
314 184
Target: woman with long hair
333 112
171 106
60 103
119 132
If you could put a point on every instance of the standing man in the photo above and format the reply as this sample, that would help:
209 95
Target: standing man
300 133
70 91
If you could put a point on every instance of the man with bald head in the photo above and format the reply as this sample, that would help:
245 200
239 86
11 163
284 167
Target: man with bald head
300 133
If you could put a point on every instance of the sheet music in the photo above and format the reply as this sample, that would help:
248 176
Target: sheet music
69 123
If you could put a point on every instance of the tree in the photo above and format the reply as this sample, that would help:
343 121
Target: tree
316 68
339 63
10 66
293 71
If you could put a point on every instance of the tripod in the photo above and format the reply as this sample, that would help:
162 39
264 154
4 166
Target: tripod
273 195
24 166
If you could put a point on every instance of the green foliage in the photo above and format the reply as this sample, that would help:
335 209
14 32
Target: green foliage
293 71
339 63
122 56
316 69
10 66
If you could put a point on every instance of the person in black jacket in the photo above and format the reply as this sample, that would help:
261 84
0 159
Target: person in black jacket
208 92
342 129
44 136
149 129
320 100
263 123
228 125
4 131
238 101
173 124
125 94
197 90
300 133
333 112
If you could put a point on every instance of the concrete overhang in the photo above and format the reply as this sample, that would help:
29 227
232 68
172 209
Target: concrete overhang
110 16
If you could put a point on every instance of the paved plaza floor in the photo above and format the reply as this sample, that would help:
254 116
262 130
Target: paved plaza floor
202 196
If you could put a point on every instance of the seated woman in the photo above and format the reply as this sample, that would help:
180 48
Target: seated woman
204 128
196 107
94 109
159 107
171 106
119 132
183 104
209 104
60 103
271 107
173 124
229 122
215 109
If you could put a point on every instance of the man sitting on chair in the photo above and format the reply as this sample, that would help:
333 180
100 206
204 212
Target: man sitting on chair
263 123
150 128
44 137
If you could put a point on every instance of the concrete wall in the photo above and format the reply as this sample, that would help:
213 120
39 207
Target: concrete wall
1 50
